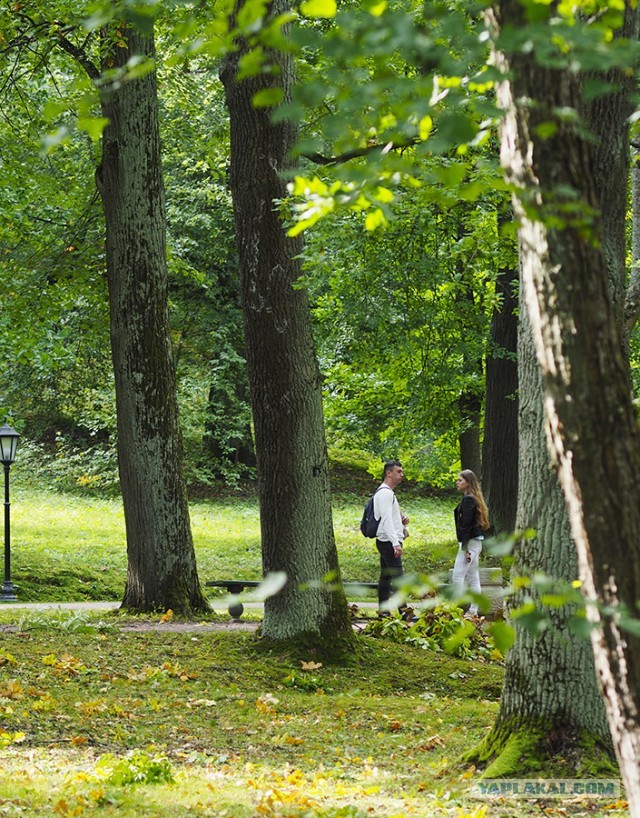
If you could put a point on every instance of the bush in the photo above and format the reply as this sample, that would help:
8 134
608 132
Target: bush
440 629
65 466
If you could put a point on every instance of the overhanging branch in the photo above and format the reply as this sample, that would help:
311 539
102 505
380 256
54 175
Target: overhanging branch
356 153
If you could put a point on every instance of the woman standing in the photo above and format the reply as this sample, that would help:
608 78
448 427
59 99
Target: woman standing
472 521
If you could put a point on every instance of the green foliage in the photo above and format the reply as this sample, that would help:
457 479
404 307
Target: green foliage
137 767
63 366
61 621
404 91
204 290
401 318
54 337
442 628
66 465
305 682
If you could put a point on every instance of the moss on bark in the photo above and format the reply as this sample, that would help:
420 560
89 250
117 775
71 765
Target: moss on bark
514 749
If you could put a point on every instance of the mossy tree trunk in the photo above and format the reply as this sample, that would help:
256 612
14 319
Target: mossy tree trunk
573 275
161 570
284 377
551 703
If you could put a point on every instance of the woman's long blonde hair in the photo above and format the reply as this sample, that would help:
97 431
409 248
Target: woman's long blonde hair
473 488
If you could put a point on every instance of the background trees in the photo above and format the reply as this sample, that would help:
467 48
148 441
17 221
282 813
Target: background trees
161 565
429 375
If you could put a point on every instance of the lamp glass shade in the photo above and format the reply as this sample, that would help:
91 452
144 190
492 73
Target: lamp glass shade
8 444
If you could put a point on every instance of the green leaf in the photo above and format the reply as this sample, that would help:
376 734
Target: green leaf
319 8
556 600
462 633
425 127
53 108
251 63
502 545
503 635
376 7
533 621
93 125
546 130
251 15
375 219
630 625
268 97
580 626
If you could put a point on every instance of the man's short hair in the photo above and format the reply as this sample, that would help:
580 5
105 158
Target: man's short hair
389 465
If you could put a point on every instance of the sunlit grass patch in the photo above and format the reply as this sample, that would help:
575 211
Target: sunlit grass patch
72 548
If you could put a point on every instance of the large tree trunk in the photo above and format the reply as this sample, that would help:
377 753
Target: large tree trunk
286 386
161 560
551 699
500 442
572 292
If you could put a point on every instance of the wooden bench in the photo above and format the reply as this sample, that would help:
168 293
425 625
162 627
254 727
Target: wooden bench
490 582
234 586
237 586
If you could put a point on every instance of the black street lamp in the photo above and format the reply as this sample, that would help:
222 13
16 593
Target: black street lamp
8 445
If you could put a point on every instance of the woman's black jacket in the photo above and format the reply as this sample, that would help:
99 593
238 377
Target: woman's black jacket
466 517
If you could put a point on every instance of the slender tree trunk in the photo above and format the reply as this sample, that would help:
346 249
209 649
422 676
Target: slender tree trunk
500 443
226 438
470 407
470 399
161 560
632 304
572 292
286 386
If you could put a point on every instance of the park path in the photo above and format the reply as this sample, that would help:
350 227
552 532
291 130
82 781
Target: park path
225 623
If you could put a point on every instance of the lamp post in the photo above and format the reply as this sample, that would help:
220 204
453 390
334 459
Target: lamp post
8 445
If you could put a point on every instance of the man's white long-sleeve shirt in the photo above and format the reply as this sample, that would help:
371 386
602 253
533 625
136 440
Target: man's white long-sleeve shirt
387 510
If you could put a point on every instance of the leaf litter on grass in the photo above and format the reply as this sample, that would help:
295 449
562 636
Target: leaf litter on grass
207 725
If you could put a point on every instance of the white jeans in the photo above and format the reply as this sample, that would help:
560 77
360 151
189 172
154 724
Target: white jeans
468 570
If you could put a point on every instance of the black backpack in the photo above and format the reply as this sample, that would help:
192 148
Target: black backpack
369 522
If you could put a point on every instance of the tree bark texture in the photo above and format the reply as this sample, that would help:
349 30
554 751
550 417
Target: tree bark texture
500 443
470 399
284 377
571 288
161 570
470 408
632 303
550 679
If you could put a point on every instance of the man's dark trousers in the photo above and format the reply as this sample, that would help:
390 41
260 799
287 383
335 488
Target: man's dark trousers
390 568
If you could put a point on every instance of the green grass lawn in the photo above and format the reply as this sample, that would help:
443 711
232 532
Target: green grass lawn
97 720
68 547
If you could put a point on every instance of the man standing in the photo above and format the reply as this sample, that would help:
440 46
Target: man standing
391 530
